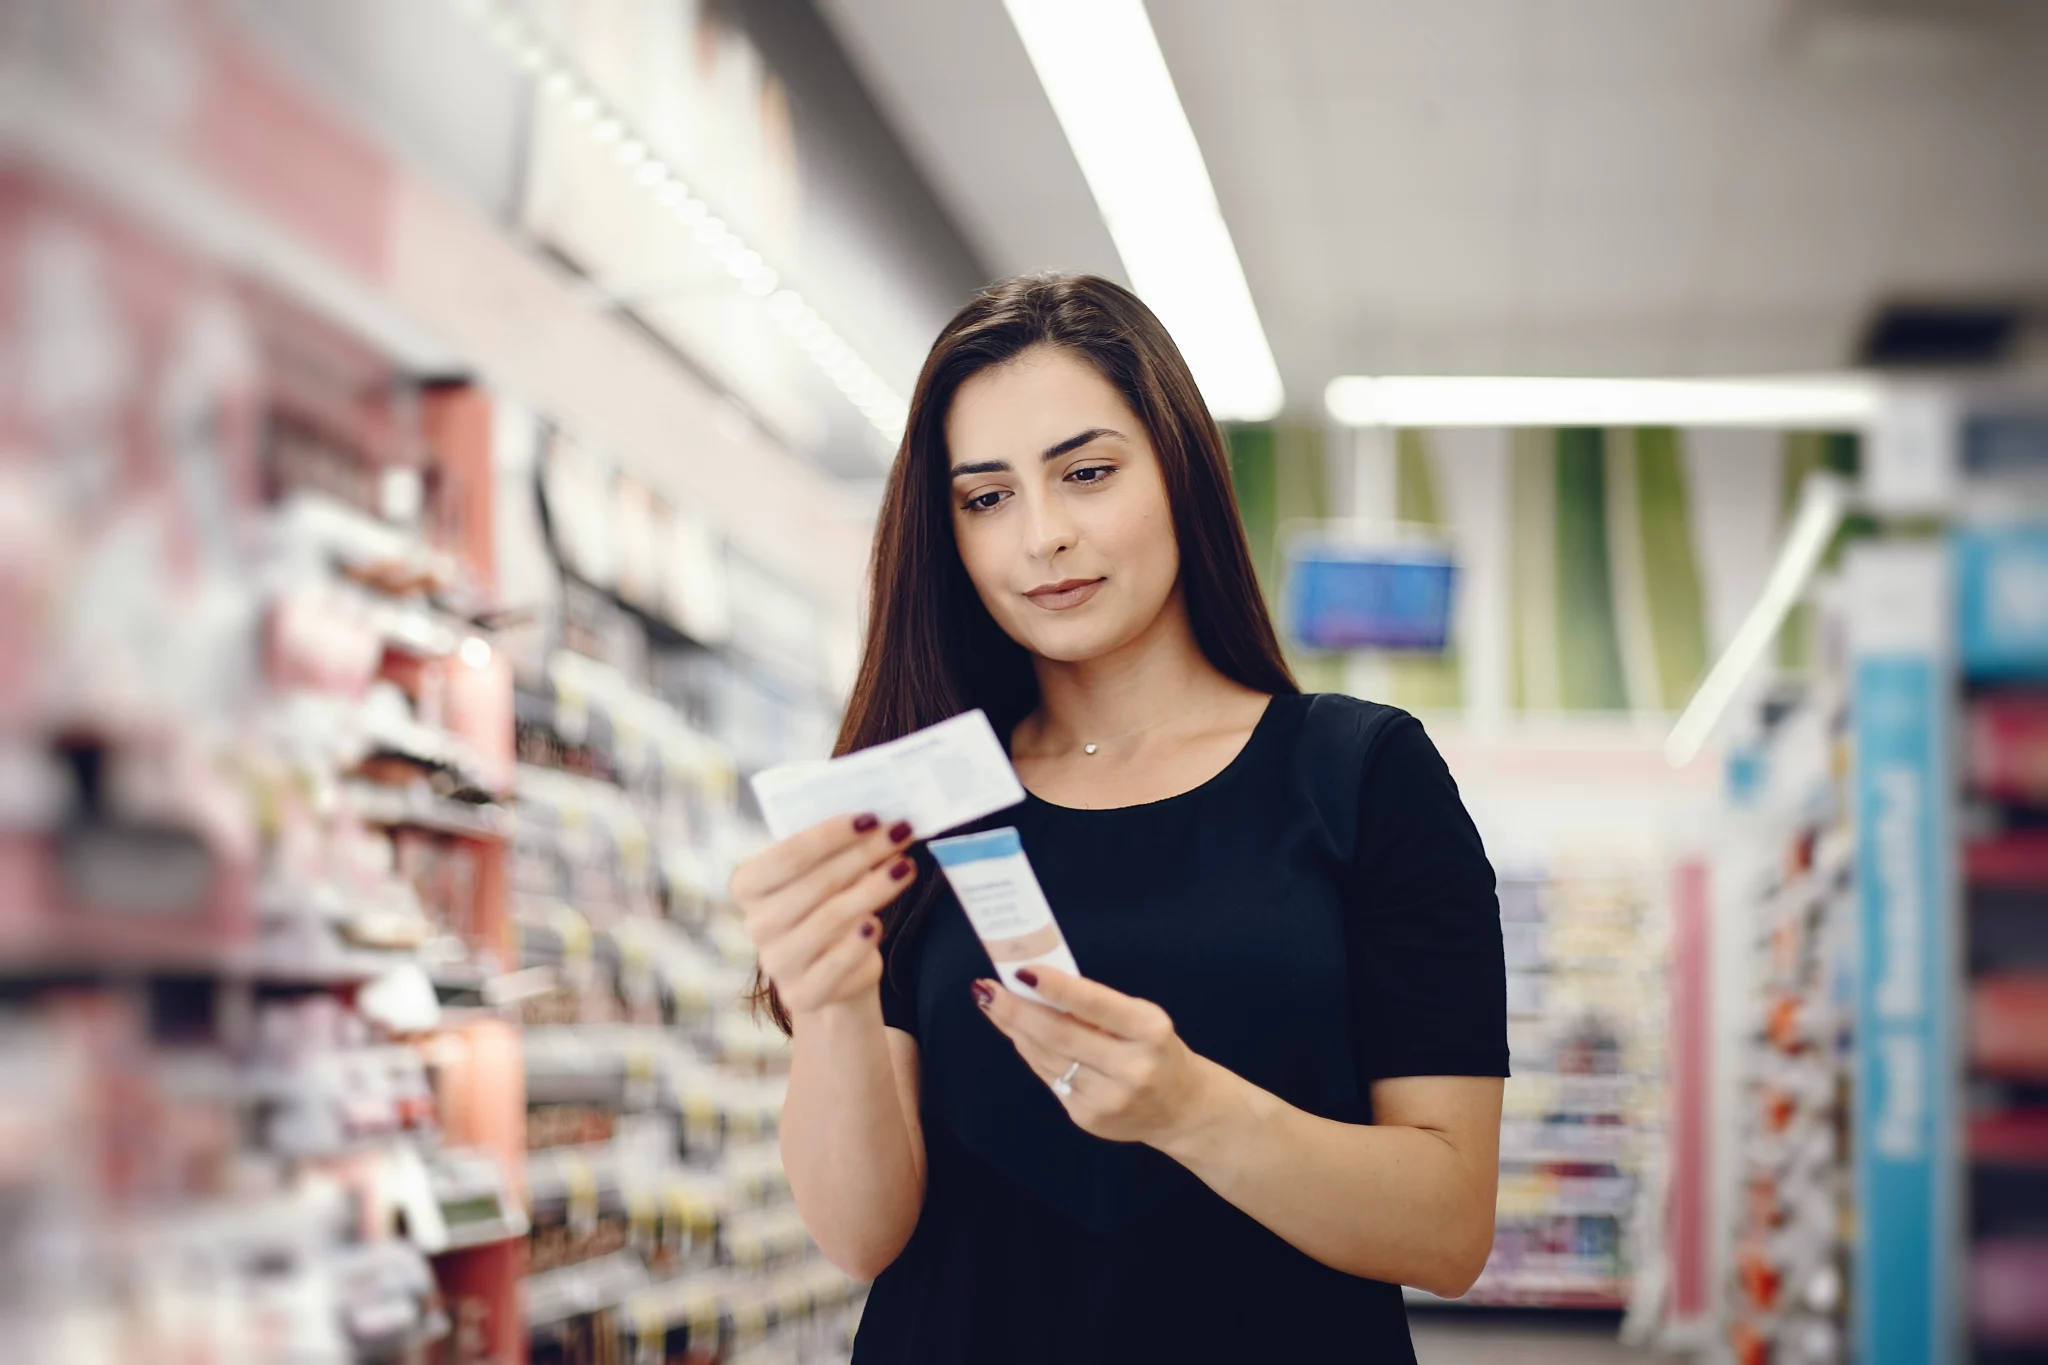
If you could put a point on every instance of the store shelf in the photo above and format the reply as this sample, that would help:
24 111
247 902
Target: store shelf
410 808
1790 1126
675 1225
75 957
1591 1292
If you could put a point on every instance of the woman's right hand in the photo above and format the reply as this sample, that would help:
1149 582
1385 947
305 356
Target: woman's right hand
810 903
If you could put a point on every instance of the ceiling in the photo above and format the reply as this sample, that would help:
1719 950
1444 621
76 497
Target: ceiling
1589 187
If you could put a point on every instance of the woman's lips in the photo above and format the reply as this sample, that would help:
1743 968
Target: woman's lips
1059 596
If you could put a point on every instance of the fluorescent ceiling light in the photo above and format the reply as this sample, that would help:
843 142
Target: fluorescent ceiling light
1842 400
1823 498
1102 69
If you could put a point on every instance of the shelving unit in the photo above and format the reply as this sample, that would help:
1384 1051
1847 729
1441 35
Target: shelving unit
303 874
1791 1232
2002 743
1581 1114
662 1222
262 785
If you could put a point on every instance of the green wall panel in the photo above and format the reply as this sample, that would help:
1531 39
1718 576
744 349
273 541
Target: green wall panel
1421 682
1589 647
1671 576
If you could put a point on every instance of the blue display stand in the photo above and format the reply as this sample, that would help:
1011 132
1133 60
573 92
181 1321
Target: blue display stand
1906 1104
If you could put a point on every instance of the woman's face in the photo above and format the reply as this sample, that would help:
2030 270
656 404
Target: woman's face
1059 506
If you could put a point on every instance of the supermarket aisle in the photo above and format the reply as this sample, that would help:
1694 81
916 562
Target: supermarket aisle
1524 1339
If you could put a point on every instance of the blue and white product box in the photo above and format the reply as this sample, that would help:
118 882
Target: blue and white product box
1000 893
2001 579
937 778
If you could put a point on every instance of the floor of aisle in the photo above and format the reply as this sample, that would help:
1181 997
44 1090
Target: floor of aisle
1476 1338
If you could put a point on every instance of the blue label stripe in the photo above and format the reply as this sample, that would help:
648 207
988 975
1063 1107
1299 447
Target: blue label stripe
1904 1106
968 848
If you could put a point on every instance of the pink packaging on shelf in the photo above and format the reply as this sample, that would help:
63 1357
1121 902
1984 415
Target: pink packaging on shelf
2007 1304
2009 1024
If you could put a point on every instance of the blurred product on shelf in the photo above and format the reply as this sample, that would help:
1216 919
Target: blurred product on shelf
1786 1299
2007 753
662 1222
299 837
2002 574
2009 1026
256 745
1582 1114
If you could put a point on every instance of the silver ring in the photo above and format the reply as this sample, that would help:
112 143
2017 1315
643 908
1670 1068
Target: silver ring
1064 1084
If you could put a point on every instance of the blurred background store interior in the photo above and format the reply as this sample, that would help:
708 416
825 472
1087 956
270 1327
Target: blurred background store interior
441 443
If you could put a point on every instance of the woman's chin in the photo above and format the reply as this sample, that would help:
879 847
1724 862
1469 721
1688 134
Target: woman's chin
1072 643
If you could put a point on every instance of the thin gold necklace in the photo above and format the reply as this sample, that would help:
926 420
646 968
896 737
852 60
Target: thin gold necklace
1090 746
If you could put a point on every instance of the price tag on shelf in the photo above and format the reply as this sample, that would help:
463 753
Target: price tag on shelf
701 1112
582 1186
676 1228
651 1328
750 1318
572 711
641 1073
704 1314
643 1216
574 930
571 806
629 835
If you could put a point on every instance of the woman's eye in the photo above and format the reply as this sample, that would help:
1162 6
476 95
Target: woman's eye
985 502
1092 474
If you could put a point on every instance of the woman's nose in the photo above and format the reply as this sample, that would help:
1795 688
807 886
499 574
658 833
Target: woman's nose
1051 531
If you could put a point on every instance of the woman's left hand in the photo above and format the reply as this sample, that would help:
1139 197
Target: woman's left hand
1137 1082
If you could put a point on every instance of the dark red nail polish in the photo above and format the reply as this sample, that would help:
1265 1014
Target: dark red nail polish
899 832
1027 976
983 996
863 823
901 869
867 929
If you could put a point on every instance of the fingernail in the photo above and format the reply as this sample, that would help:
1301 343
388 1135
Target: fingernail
901 869
1027 976
867 929
983 996
863 823
899 832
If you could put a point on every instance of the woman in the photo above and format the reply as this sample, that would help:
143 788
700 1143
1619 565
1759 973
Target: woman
1276 1096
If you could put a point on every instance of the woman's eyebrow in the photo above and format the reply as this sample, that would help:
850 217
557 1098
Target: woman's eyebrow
1051 452
1076 441
981 467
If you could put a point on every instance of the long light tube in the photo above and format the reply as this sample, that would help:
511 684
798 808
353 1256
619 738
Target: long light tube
526 48
1833 401
1101 67
1823 498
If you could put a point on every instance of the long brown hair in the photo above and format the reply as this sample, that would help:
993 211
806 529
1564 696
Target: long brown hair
932 649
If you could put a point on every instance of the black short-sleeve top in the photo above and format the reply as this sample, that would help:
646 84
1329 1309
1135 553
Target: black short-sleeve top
1317 916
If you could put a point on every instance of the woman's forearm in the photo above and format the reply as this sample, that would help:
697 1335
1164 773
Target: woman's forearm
1401 1204
851 1142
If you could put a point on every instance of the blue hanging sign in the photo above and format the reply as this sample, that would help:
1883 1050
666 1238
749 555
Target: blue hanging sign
1347 597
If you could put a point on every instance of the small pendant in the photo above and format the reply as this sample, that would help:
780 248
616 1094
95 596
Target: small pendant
1087 748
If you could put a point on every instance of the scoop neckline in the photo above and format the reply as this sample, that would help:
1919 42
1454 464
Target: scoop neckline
1236 761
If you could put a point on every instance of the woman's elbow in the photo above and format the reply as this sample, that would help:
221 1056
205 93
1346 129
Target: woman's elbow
861 1263
1464 1260
863 1258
